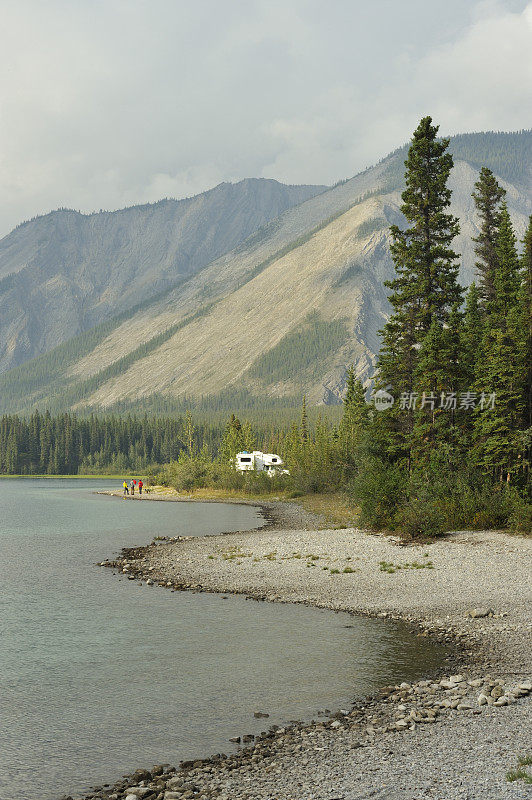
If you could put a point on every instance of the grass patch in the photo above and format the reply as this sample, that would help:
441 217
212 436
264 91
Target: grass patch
336 509
518 774
390 567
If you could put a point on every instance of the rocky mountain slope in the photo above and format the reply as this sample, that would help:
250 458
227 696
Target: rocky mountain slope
66 272
283 313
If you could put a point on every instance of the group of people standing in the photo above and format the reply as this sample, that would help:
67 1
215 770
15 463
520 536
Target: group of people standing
132 485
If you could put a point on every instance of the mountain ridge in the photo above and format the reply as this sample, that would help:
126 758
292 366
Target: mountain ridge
330 252
65 272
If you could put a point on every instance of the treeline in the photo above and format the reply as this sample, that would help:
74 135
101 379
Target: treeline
506 154
70 445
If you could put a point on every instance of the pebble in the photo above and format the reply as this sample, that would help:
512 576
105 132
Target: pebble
501 701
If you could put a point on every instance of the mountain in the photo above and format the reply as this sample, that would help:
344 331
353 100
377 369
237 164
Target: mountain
64 273
282 314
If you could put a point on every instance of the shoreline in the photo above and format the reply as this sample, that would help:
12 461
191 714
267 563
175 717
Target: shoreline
278 514
392 731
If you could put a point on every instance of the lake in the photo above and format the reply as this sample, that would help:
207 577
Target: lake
100 676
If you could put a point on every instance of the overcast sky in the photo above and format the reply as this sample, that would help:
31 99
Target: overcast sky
108 103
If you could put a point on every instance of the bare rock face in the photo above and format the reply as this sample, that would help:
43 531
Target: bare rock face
65 272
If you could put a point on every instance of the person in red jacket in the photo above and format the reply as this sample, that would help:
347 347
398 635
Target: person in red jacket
140 487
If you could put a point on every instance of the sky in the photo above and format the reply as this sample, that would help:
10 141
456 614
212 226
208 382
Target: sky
110 103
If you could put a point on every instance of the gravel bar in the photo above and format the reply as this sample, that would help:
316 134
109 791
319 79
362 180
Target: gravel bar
451 737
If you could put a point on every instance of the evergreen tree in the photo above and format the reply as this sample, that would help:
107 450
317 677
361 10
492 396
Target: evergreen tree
189 433
526 304
248 435
304 421
487 197
426 287
292 446
233 440
355 417
440 374
472 333
507 277
502 367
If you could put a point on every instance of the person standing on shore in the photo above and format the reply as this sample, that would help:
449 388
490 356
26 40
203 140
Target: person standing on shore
140 487
126 490
132 487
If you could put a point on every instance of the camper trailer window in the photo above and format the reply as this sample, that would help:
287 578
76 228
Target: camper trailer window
246 460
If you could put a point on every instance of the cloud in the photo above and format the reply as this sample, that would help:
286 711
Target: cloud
106 103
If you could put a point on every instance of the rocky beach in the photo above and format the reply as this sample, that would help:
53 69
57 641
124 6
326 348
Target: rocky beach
458 736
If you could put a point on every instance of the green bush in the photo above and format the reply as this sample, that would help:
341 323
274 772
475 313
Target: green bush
421 517
464 499
187 473
313 478
379 488
520 519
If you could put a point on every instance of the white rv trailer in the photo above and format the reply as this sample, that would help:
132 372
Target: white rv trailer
259 462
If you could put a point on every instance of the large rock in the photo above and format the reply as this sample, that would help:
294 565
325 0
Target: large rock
478 613
139 791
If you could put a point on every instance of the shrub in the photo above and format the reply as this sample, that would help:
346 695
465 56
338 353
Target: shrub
520 519
314 477
420 517
380 489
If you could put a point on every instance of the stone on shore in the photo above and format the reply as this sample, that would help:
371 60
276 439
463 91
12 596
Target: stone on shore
139 791
479 613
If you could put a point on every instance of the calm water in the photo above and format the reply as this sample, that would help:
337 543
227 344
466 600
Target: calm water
99 676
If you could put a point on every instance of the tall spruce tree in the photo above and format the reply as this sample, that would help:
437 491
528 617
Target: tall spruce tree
507 277
440 373
472 333
304 421
502 368
355 417
233 440
488 197
426 287
526 294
